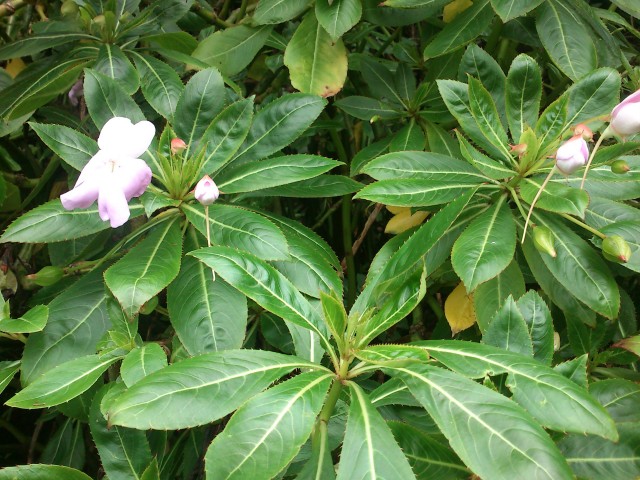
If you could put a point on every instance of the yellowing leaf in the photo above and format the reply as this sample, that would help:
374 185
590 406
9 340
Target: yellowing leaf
454 9
15 66
458 309
397 210
404 220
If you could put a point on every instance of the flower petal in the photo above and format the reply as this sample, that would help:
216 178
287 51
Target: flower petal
133 177
633 98
112 204
121 138
95 167
81 196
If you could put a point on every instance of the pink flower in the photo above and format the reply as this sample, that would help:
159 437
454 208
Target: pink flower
178 146
206 191
572 155
625 118
115 174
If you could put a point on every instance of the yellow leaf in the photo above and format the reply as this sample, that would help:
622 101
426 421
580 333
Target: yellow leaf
404 221
454 9
397 210
15 66
458 309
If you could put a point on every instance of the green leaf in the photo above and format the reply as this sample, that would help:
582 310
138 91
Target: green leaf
36 43
142 361
75 148
510 9
112 63
380 81
278 124
212 384
540 325
581 269
523 93
602 182
409 137
441 141
334 313
556 197
602 212
124 452
107 99
207 315
594 95
491 295
160 84
369 449
318 187
338 16
317 64
278 11
42 472
265 285
232 49
239 228
620 398
486 165
552 122
39 84
428 457
430 4
366 108
423 165
392 354
7 372
462 30
566 39
265 434
272 172
147 268
486 247
227 131
474 418
33 320
508 330
62 383
630 232
592 458
416 192
66 446
200 102
554 400
77 320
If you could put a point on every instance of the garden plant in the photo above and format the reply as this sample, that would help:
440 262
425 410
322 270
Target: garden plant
319 240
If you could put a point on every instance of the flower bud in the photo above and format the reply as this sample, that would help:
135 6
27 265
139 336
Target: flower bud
544 240
620 166
69 7
206 191
572 155
616 249
178 146
583 131
519 149
47 276
625 117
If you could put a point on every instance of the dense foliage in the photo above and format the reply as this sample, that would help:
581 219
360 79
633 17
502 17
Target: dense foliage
238 238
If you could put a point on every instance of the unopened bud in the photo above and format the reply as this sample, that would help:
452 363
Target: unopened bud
620 166
519 149
584 131
47 276
616 249
544 240
178 146
69 7
206 191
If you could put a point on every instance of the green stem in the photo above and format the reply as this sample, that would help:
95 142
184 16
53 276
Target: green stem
243 10
14 336
597 233
209 16
535 199
330 404
514 195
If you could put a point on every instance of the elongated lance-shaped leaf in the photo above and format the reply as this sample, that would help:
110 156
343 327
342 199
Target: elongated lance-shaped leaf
494 436
510 9
524 90
581 269
124 452
369 450
486 247
142 361
212 385
593 95
492 294
75 148
265 285
147 268
554 400
555 197
33 320
36 43
160 84
508 330
106 99
7 372
239 228
61 384
42 472
266 432
338 16
113 63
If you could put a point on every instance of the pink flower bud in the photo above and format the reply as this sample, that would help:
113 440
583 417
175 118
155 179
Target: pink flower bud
572 155
519 149
584 131
178 146
625 118
206 191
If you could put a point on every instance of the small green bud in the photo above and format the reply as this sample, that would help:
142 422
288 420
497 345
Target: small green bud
47 276
620 166
69 7
616 249
544 240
